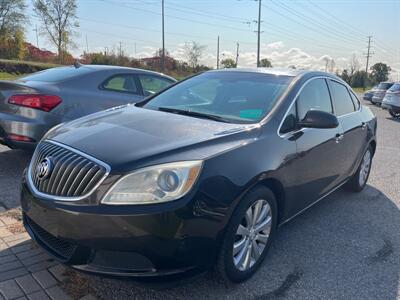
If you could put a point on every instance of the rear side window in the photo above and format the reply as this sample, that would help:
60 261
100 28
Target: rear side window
341 96
153 84
124 83
57 74
314 96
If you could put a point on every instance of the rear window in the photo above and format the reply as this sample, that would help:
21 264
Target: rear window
384 85
395 87
57 74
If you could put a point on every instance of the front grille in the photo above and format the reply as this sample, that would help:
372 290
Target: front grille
59 247
72 173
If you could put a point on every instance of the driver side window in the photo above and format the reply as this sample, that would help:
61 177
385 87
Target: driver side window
314 96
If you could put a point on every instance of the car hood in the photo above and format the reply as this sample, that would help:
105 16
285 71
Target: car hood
126 134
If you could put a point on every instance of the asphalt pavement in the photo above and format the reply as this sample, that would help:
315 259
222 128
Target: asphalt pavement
345 247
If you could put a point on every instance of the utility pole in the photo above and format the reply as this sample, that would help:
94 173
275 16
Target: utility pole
120 49
369 54
258 33
237 54
218 53
163 39
37 37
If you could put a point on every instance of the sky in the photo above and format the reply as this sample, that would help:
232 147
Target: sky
303 33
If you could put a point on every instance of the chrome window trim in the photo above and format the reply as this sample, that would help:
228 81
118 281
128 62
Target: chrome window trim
285 135
36 192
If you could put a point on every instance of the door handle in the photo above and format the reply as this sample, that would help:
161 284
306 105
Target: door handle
339 137
363 125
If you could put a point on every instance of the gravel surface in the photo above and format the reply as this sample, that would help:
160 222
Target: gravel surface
345 247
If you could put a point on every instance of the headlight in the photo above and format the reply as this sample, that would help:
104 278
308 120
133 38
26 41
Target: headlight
155 184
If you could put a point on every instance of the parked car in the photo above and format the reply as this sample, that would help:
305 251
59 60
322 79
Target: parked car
33 104
380 92
368 94
199 175
392 100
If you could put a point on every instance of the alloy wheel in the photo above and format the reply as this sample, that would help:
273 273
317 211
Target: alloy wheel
252 235
364 168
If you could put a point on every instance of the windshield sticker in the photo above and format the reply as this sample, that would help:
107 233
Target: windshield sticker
251 113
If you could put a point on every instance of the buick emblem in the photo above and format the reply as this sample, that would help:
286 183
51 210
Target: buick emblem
43 169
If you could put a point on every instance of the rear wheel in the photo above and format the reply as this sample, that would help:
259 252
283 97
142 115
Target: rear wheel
248 235
358 181
394 114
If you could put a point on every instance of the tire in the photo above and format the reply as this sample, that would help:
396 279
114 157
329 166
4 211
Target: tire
359 180
394 114
230 267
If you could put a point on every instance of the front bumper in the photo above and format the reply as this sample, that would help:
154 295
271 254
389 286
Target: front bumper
123 243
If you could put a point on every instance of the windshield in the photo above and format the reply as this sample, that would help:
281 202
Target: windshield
384 85
56 74
242 97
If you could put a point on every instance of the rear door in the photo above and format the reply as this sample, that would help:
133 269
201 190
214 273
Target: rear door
347 110
121 89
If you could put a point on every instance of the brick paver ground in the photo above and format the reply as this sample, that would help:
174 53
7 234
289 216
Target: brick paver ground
26 272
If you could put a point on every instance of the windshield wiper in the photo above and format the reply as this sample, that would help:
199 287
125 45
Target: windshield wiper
195 114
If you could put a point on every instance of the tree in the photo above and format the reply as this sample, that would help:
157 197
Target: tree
12 16
380 72
265 63
228 63
358 79
193 53
345 76
59 19
354 64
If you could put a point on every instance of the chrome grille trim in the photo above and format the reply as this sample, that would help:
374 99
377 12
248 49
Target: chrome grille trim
85 164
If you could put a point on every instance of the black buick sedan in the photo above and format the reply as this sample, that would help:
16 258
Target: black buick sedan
199 175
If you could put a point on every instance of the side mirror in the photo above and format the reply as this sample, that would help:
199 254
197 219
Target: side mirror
318 119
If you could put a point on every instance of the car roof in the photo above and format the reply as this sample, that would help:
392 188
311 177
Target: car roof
273 71
121 68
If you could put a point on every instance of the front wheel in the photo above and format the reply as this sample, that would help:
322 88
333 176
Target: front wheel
358 181
248 235
394 114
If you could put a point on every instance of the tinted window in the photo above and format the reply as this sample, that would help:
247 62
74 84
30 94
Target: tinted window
152 84
121 83
314 96
395 87
238 96
343 102
384 85
57 74
289 124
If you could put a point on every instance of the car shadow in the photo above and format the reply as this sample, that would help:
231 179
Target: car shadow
12 164
393 119
346 246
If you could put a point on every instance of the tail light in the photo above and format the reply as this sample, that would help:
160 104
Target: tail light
36 101
19 138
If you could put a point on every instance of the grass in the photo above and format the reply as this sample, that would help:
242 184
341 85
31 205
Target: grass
8 76
361 90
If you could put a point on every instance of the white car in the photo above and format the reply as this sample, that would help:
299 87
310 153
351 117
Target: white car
391 101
